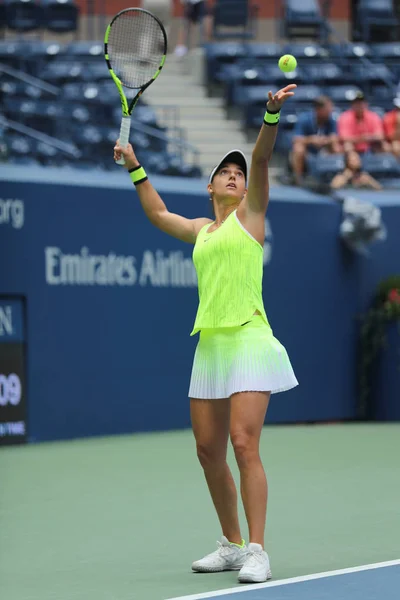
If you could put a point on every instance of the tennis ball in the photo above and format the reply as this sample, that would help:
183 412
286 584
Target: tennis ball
287 63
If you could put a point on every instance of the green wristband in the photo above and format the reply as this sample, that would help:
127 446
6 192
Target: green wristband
138 175
272 118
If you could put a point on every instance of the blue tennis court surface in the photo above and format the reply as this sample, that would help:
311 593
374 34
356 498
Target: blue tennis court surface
379 581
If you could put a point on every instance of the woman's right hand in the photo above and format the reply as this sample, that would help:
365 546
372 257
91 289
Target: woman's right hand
127 152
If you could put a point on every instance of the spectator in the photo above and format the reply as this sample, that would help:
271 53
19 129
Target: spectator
315 131
391 127
361 129
194 12
354 175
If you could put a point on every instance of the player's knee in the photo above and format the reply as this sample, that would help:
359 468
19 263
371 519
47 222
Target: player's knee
245 447
209 454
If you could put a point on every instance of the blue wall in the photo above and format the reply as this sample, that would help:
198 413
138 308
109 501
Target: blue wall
115 356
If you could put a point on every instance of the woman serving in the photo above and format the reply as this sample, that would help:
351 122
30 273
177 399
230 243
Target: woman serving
238 362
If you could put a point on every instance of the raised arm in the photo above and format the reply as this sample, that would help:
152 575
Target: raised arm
258 188
154 207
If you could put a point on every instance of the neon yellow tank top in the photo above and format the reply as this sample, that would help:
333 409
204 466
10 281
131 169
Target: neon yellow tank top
229 267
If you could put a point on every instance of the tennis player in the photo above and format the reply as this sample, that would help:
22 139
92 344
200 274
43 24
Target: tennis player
238 362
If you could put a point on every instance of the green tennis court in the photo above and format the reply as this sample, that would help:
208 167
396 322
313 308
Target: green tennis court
122 518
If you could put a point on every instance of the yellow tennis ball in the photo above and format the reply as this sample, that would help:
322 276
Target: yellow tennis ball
287 63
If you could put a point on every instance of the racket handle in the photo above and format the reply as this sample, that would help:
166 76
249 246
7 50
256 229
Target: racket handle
124 136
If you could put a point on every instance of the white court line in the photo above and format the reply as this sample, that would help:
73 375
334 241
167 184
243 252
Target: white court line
258 586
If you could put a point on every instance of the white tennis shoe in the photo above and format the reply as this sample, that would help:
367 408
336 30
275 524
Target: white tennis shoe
227 557
256 569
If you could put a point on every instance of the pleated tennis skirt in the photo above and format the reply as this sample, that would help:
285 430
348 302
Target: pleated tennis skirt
240 359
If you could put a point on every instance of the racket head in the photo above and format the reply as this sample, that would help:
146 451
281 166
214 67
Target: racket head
135 48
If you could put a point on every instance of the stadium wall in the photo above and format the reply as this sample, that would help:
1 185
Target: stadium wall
108 302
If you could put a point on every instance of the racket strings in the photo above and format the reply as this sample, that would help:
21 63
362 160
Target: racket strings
136 46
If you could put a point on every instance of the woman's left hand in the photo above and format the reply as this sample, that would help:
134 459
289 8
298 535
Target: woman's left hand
275 101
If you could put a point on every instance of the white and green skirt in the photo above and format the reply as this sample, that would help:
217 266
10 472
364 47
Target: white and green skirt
247 358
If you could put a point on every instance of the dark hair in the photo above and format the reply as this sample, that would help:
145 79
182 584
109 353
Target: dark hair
346 159
321 101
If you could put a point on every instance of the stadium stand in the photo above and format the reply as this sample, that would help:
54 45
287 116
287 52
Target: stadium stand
302 19
234 17
373 14
51 92
58 104
243 73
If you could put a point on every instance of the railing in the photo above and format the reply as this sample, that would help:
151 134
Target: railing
66 147
29 79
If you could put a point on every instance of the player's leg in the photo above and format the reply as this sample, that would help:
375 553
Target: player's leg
248 410
210 423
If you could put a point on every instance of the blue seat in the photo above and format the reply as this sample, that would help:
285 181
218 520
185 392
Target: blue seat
372 73
218 55
77 113
284 142
39 54
234 19
61 72
325 166
12 54
264 51
387 51
380 111
191 171
85 51
381 165
23 15
274 75
23 160
157 163
307 93
302 19
305 52
382 96
96 71
88 134
342 94
60 15
234 71
324 73
372 14
258 95
10 88
19 145
88 93
349 52
270 77
49 155
288 119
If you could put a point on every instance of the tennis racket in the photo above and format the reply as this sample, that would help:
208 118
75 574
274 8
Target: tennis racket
135 48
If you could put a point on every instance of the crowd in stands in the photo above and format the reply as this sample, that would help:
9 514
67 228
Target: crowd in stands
354 133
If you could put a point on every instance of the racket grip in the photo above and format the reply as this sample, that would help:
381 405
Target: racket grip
124 136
